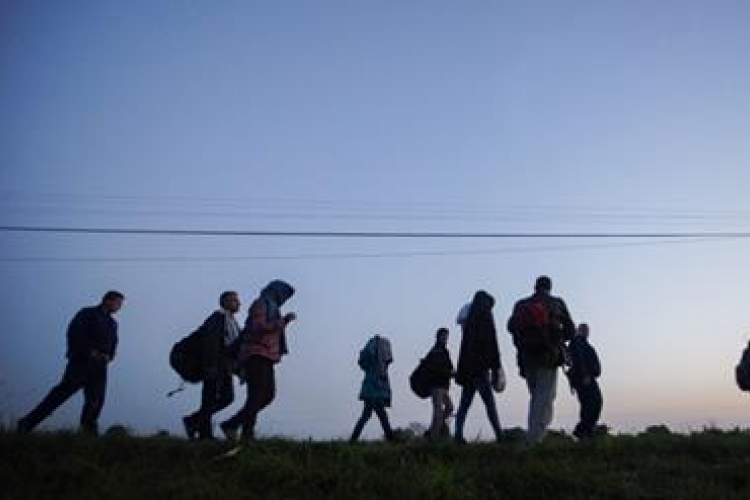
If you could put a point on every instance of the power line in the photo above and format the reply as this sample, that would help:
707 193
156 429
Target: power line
372 234
360 255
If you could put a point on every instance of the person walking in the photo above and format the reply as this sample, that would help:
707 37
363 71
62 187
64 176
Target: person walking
540 325
91 345
262 346
584 370
478 362
439 370
218 335
375 393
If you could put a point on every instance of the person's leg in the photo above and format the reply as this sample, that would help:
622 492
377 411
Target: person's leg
438 415
485 392
542 383
366 414
467 396
94 394
579 429
384 423
255 393
597 404
198 423
591 406
225 392
261 394
269 393
72 380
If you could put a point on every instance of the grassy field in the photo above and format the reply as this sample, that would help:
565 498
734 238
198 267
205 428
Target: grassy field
653 465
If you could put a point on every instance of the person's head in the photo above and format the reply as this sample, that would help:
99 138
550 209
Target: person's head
583 330
278 291
482 302
543 284
441 337
229 301
112 301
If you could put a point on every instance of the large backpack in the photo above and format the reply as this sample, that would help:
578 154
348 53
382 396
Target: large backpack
186 357
419 381
532 324
742 372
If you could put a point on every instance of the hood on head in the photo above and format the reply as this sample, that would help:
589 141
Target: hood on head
278 291
483 301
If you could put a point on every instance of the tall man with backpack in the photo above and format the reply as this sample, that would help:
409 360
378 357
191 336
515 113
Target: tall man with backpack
92 342
217 334
540 326
262 346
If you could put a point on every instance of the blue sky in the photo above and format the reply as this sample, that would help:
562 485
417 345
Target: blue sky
378 116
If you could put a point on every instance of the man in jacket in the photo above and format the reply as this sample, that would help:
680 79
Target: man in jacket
583 372
218 334
540 325
439 368
92 341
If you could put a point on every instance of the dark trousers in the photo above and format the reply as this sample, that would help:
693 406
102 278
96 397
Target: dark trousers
591 401
480 384
261 390
217 394
88 374
379 409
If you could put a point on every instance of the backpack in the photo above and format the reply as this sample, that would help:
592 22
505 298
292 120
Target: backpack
419 381
742 372
185 358
531 321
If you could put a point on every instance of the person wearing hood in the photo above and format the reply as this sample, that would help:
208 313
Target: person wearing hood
218 333
262 346
374 359
478 361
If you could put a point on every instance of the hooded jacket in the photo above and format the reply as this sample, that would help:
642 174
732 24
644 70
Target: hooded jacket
264 331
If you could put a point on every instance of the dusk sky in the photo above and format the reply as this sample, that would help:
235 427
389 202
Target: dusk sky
628 116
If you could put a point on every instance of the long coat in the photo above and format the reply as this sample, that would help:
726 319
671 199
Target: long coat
374 360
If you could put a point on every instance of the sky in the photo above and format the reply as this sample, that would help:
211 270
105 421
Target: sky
531 117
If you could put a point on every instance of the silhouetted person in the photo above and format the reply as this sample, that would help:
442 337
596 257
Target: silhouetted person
218 334
263 345
92 341
439 370
376 388
478 361
583 372
540 325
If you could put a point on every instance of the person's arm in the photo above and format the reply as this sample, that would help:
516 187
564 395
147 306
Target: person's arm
568 328
78 342
260 322
212 333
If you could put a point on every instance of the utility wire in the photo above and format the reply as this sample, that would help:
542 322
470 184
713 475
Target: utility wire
362 255
371 234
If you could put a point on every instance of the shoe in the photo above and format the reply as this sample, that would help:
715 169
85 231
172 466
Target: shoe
190 430
229 432
460 440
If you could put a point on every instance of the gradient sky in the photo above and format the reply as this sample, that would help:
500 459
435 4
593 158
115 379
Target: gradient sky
507 116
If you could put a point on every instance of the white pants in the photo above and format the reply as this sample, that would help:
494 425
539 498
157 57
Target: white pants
542 383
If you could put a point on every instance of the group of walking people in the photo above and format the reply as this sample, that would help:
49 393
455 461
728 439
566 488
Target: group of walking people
543 333
545 338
